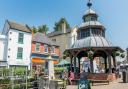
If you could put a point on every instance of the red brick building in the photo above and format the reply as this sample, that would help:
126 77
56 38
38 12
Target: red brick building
42 47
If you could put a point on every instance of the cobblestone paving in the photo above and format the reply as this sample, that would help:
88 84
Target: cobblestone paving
113 85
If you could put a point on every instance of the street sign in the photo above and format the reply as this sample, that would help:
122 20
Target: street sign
84 84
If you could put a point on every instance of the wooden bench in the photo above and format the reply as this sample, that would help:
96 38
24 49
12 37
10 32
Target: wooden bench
99 81
75 81
98 78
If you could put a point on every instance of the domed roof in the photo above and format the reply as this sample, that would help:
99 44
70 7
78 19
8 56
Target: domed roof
90 11
92 41
91 23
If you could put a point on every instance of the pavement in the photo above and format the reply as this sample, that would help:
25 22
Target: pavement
117 84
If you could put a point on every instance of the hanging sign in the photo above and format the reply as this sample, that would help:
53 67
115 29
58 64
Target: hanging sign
84 84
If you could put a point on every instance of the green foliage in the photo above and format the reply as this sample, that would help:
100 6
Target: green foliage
66 54
58 25
118 53
5 72
5 81
59 69
122 55
34 29
90 54
17 86
19 71
43 29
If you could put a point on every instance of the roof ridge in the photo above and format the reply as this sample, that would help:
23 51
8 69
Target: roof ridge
19 26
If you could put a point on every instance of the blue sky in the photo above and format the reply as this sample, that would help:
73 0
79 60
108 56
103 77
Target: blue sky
112 13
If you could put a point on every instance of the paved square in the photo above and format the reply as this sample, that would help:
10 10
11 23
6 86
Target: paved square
113 85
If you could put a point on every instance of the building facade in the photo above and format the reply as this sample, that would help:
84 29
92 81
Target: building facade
42 48
3 42
64 38
92 46
17 44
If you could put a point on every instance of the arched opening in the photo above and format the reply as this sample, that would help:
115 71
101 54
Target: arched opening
100 62
83 61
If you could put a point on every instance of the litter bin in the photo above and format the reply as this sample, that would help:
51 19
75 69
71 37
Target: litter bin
35 85
84 84
125 76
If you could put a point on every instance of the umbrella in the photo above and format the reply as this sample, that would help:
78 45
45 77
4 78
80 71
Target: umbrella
63 62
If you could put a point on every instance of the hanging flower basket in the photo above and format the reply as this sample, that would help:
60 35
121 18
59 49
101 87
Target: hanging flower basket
90 54
122 55
117 53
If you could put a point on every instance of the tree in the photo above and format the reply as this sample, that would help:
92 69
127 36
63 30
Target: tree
43 29
34 29
58 25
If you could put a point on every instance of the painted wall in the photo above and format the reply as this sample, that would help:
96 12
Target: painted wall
13 47
65 40
42 49
72 37
62 41
2 47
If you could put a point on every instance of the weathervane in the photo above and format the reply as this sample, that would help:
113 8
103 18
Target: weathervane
89 4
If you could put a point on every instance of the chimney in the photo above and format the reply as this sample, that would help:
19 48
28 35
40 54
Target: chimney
64 27
32 34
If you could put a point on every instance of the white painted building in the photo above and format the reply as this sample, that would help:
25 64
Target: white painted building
18 44
3 42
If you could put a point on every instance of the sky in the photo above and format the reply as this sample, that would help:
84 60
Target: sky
113 14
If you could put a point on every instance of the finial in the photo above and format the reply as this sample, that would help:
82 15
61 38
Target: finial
89 4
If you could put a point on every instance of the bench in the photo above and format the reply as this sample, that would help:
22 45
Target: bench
75 81
98 78
99 81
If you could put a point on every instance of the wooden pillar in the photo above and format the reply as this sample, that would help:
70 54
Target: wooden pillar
74 64
114 61
105 62
110 64
91 65
79 64
71 62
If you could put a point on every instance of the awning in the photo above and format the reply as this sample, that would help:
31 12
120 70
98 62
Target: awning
55 62
39 60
